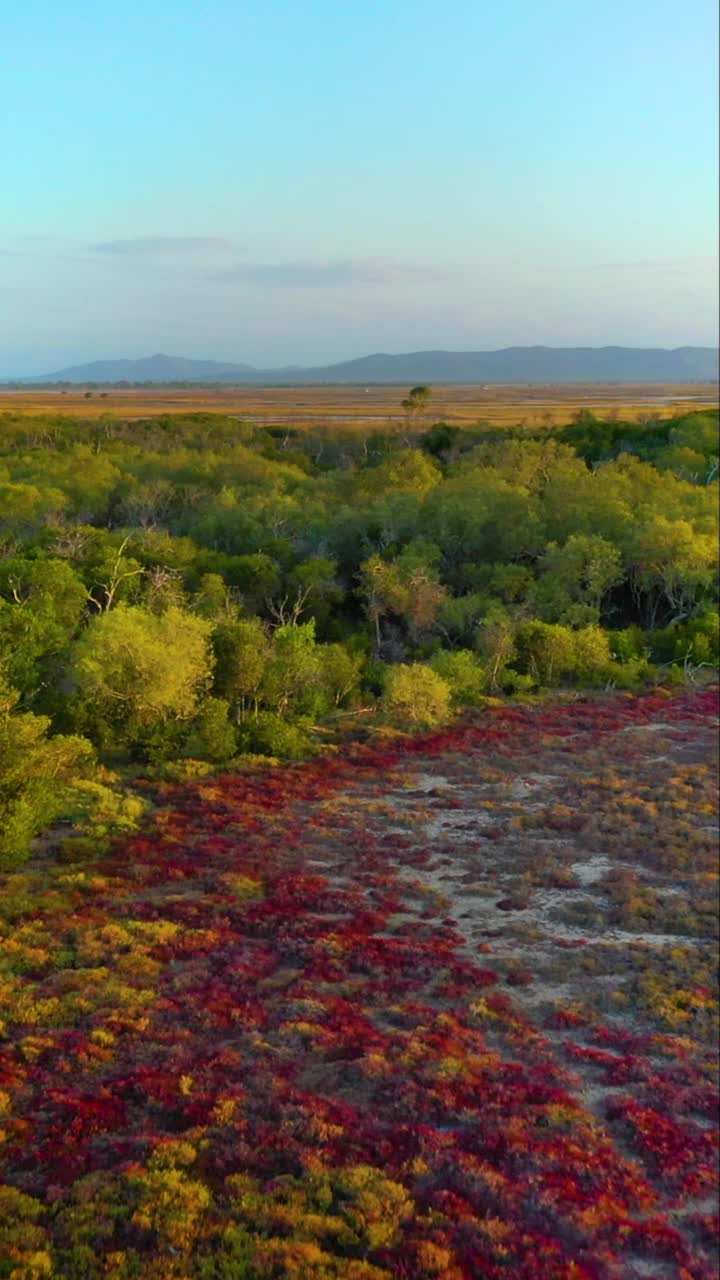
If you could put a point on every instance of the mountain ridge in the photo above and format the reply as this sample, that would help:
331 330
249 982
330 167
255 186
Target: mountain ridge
507 364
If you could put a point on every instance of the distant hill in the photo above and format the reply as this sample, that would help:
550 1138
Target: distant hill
531 364
157 368
512 364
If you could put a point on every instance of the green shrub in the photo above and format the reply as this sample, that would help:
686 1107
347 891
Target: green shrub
155 743
515 682
187 770
270 735
415 694
36 776
695 640
629 643
212 736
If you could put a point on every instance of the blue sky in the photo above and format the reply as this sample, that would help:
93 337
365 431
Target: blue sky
308 180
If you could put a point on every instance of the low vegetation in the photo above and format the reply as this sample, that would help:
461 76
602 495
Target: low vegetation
439 1009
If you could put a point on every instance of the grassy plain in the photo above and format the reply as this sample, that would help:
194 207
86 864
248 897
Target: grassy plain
363 407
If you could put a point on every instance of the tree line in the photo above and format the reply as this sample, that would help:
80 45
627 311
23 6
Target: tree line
182 591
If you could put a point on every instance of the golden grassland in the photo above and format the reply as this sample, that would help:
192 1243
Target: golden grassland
368 407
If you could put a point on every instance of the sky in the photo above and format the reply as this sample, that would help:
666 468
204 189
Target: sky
302 181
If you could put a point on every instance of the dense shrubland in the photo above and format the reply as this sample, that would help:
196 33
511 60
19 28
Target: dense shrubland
181 591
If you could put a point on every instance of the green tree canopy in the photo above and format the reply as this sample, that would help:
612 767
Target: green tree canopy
138 666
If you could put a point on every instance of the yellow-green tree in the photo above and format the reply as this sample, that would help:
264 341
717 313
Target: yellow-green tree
36 773
416 695
141 667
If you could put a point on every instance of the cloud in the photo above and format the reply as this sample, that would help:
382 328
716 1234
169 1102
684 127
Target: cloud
330 275
163 244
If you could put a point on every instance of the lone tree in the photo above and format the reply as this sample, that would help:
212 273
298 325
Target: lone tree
416 402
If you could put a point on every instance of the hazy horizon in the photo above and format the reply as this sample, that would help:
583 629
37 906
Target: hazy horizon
276 186
182 356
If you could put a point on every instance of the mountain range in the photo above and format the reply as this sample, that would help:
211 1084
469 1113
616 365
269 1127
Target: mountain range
511 364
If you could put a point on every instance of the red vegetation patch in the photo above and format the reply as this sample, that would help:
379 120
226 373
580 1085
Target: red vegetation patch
250 1044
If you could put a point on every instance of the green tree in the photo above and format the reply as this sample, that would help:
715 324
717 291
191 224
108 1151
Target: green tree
495 642
242 649
463 673
340 671
407 587
255 578
547 651
311 587
672 564
25 508
592 654
214 599
407 472
478 516
459 616
575 578
687 464
292 676
41 605
440 440
139 667
510 583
